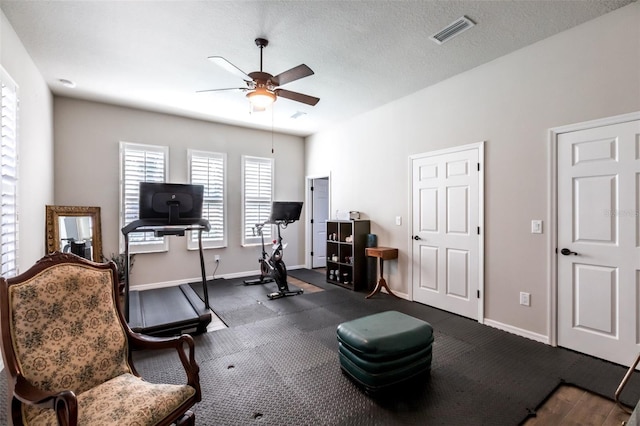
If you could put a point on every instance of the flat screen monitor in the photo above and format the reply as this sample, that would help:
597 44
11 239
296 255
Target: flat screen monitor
176 203
285 211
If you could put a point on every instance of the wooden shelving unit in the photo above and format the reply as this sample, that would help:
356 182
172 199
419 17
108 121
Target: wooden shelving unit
346 260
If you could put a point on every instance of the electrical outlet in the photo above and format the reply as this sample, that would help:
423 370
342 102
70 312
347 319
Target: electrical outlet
216 258
525 299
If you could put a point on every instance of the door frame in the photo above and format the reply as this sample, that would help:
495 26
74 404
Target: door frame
552 235
308 229
481 160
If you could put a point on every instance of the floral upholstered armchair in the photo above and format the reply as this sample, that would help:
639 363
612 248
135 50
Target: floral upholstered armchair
67 351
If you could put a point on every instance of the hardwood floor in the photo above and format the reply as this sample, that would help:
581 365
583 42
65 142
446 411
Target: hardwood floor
308 288
570 405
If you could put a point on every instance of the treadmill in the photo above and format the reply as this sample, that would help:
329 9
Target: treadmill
171 310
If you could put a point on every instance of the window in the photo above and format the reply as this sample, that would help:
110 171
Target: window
209 169
140 163
9 197
257 194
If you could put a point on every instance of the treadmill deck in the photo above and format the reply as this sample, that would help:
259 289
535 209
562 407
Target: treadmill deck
168 311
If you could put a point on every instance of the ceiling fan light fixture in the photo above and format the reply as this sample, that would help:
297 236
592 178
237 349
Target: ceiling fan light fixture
261 98
263 88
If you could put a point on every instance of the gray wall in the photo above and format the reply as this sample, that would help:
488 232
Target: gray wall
588 72
35 137
87 137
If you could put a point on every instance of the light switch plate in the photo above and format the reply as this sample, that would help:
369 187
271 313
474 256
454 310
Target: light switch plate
398 220
536 227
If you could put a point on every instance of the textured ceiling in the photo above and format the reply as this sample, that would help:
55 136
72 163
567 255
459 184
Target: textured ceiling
152 54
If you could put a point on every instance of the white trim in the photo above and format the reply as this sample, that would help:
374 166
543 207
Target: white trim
244 240
450 150
410 226
175 283
517 331
308 229
552 241
159 247
480 147
208 244
599 122
483 231
7 80
163 284
401 295
552 238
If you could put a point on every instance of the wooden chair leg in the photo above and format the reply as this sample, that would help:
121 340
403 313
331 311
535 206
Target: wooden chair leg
623 383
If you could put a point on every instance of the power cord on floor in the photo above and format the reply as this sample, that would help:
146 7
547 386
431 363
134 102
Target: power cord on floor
213 276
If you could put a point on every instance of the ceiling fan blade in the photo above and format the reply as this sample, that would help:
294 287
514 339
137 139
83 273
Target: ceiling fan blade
292 75
221 90
222 62
298 97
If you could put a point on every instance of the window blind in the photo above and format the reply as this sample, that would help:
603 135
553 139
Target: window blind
209 169
140 163
257 196
9 171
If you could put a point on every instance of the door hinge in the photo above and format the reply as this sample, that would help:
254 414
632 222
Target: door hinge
312 188
478 294
311 220
478 166
478 230
311 254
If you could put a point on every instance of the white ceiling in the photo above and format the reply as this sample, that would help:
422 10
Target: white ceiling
152 54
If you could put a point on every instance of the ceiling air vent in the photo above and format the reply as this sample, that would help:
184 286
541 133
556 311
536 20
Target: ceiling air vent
454 29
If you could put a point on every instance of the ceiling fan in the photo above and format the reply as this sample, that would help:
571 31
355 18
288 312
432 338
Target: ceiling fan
263 88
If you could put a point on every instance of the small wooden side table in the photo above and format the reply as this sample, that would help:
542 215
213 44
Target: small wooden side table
382 253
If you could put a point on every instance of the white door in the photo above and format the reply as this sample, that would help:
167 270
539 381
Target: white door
320 209
446 248
599 271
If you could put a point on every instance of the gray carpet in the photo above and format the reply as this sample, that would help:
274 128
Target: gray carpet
277 364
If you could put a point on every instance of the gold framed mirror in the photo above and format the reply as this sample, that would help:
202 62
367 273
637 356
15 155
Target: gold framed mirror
74 229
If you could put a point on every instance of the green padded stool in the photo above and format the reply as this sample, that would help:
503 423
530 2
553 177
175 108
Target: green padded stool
384 349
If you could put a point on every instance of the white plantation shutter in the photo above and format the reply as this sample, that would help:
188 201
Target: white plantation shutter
209 169
140 163
257 191
9 171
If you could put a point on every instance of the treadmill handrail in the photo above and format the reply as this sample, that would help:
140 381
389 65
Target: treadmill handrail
151 225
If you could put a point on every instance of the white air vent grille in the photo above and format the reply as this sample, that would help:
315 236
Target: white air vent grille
452 30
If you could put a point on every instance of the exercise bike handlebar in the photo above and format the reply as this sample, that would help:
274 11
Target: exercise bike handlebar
258 228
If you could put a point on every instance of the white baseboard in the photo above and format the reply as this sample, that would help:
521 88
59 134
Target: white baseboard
163 284
518 331
404 296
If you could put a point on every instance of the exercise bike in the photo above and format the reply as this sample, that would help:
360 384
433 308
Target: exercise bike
263 260
272 267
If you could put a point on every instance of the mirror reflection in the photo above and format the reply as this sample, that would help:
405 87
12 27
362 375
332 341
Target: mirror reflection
76 235
74 229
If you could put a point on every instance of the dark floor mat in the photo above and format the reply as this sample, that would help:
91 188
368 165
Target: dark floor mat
277 364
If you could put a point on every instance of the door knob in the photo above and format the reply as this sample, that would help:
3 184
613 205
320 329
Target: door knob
417 238
567 252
